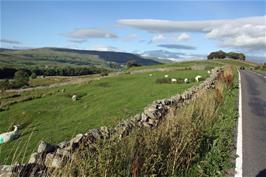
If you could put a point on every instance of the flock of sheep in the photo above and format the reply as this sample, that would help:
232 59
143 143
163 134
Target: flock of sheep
173 80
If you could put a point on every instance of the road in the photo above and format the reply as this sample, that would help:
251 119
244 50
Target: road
253 124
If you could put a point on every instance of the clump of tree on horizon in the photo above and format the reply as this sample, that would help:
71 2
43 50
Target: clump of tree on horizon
223 55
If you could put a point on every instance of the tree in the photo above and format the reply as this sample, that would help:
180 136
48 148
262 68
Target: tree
33 76
131 63
222 55
236 56
21 78
217 55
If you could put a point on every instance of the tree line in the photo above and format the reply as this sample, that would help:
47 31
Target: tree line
8 73
223 55
14 78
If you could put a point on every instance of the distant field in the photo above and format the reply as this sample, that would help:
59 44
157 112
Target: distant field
206 63
56 117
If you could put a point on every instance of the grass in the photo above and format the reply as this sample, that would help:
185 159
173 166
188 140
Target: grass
195 140
206 63
52 116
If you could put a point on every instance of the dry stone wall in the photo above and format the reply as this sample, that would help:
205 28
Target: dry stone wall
56 156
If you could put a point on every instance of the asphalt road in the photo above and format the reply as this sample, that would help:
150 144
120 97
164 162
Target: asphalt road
254 123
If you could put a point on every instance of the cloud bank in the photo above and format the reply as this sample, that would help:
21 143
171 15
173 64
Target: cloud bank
243 33
177 46
9 41
86 33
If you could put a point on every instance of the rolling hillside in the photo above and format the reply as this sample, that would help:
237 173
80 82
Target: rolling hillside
43 57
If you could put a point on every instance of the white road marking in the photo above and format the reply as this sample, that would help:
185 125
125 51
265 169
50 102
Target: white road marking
239 146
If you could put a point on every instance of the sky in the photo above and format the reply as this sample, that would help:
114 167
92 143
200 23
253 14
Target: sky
180 29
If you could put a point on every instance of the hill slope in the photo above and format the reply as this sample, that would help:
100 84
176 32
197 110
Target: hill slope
68 57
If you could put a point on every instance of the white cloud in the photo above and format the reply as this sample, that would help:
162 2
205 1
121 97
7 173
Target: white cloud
177 46
158 38
7 41
85 33
183 37
104 48
169 38
243 33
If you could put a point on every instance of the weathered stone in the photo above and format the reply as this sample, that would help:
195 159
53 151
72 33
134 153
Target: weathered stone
137 117
34 157
105 132
94 132
6 170
46 147
146 124
54 161
63 144
63 152
144 118
77 139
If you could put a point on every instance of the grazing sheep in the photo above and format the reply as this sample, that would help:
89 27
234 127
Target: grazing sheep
197 78
166 76
186 80
173 80
150 75
209 72
74 98
9 136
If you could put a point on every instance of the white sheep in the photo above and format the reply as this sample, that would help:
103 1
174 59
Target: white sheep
173 80
197 78
74 98
209 72
150 75
166 76
186 80
9 136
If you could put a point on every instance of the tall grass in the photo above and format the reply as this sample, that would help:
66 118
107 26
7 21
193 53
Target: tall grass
192 141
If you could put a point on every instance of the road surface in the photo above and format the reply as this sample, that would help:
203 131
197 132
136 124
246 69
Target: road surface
253 123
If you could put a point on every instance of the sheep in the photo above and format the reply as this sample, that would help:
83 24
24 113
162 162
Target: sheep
209 72
186 80
198 77
166 76
74 98
9 136
150 75
173 80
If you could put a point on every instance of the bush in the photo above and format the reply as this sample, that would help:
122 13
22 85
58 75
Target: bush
21 78
104 73
163 81
33 76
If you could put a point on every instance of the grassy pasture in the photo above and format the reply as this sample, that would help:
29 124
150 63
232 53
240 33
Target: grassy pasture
54 117
206 63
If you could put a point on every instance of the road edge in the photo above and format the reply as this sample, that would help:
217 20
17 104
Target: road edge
239 150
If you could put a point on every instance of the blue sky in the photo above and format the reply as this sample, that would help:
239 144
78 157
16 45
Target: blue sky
136 26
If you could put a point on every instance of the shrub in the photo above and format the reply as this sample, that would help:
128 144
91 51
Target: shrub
33 76
163 81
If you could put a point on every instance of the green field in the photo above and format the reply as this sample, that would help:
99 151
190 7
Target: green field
56 117
51 115
206 63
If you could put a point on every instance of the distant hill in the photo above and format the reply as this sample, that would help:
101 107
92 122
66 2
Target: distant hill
45 57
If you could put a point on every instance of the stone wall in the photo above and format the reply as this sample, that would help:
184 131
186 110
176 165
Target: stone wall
56 156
